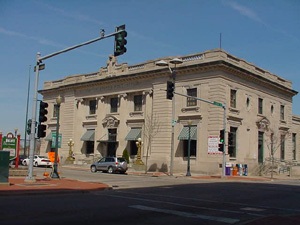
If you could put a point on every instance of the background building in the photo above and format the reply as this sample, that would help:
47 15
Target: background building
105 112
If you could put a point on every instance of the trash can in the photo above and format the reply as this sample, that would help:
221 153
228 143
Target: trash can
235 171
4 166
245 169
227 170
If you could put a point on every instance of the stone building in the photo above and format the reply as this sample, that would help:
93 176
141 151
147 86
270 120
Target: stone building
105 113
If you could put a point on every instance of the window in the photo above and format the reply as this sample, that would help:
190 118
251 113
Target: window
89 147
260 147
55 110
114 105
138 103
232 146
112 135
294 146
260 106
282 147
281 112
233 98
92 104
191 101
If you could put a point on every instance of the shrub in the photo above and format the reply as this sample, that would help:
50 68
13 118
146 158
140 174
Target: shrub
126 155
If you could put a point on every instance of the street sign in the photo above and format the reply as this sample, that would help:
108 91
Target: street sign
53 140
218 104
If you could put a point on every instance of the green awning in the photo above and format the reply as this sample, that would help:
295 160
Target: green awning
49 137
184 134
133 134
89 135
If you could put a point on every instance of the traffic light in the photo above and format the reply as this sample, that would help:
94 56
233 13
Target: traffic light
28 129
120 41
230 139
42 118
221 142
43 112
170 90
41 131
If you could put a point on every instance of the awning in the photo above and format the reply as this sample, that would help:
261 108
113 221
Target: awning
89 135
49 137
184 134
133 134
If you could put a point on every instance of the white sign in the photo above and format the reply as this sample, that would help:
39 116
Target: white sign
213 144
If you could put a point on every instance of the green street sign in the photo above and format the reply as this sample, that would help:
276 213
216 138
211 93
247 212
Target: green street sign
53 140
218 104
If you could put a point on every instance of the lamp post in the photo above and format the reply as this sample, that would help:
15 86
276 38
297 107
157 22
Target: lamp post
174 61
70 158
188 172
54 173
139 146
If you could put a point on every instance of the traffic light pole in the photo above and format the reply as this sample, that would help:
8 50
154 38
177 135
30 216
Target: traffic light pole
39 66
224 125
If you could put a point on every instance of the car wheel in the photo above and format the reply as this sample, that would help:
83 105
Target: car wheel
36 164
93 169
24 163
110 169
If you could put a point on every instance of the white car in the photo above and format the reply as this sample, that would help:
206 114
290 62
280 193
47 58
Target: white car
38 160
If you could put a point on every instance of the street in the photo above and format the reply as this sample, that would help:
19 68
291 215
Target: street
154 200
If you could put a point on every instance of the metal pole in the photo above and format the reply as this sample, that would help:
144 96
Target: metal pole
30 177
25 135
224 144
173 124
188 173
54 173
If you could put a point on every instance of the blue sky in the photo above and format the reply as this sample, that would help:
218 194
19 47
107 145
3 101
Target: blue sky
265 33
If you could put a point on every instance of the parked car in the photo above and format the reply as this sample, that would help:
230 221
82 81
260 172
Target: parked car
38 160
110 165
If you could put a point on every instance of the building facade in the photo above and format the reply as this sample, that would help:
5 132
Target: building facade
105 113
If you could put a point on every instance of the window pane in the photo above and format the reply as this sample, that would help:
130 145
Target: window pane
233 98
260 106
192 101
138 102
92 106
114 105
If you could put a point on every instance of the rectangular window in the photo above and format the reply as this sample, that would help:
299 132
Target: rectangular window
260 106
89 147
281 112
191 101
112 135
260 147
282 147
92 105
114 105
55 110
232 142
294 146
138 103
233 98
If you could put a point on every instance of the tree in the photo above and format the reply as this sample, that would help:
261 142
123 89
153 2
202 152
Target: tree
275 139
151 128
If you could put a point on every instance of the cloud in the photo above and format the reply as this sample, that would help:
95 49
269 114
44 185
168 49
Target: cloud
245 11
73 15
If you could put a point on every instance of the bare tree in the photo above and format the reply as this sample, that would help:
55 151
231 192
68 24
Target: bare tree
151 128
275 140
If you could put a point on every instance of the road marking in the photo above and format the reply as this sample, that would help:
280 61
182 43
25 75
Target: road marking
253 209
186 214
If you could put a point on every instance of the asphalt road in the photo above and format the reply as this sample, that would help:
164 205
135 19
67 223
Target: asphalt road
154 200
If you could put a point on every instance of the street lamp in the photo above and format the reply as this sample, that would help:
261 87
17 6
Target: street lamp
54 173
139 146
188 172
174 61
